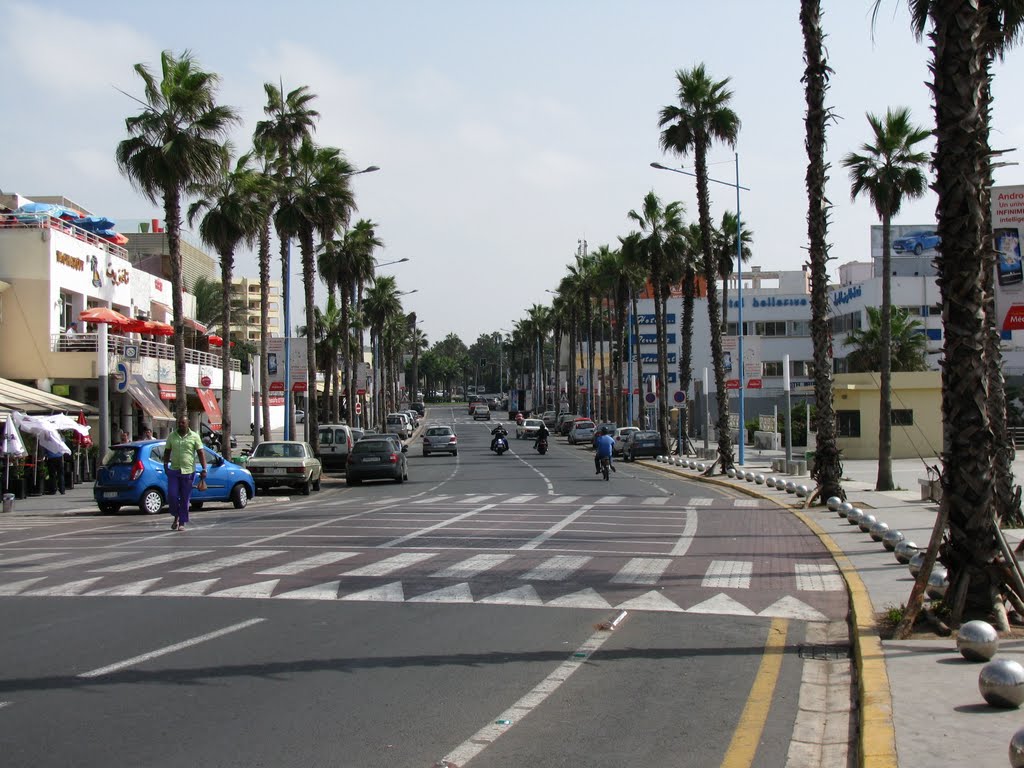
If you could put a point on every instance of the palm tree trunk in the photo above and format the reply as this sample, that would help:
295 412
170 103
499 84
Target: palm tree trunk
591 377
827 466
265 327
172 215
686 343
308 275
558 365
620 345
289 415
573 366
884 480
663 415
641 413
226 269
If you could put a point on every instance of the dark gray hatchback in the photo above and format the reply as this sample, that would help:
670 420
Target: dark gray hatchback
376 458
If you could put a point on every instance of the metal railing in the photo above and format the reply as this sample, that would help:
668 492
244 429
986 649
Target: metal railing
45 221
88 342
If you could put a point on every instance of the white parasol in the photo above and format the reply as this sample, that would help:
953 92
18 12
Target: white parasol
47 429
12 446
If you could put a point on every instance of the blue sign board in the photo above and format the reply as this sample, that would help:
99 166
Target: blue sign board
652 338
652 358
649 318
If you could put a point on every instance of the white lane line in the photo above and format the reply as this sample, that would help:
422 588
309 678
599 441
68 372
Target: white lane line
689 531
57 565
474 566
746 503
169 649
16 587
391 564
148 561
69 589
133 589
818 577
430 529
306 563
728 574
557 527
489 733
227 562
557 568
642 570
433 499
19 559
610 500
322 523
699 502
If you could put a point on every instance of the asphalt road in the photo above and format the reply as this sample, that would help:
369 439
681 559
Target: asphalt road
455 619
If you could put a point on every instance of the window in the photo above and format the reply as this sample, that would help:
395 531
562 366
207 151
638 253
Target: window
902 417
840 365
799 327
848 423
801 369
770 328
772 368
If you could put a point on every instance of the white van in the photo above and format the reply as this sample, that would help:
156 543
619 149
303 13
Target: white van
335 444
399 424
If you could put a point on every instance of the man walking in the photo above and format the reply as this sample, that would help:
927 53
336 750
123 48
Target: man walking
54 470
183 448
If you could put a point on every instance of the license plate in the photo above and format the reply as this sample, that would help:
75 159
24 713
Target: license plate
110 494
371 459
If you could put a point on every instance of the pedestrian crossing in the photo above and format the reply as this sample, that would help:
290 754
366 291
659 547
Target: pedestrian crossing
521 578
528 499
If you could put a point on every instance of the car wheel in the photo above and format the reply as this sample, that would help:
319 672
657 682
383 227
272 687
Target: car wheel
304 489
316 483
426 452
400 479
195 506
917 249
152 501
109 509
240 496
455 453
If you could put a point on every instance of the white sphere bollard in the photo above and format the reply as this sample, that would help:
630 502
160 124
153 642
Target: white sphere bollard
770 481
759 479
1001 683
748 476
731 472
915 563
905 550
790 486
891 538
854 515
844 509
937 583
802 491
977 641
833 503
866 521
878 531
702 467
1017 750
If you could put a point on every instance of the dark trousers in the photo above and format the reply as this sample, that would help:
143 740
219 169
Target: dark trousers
179 493
55 469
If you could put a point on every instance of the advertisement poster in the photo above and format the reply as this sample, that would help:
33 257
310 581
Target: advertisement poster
1007 222
276 363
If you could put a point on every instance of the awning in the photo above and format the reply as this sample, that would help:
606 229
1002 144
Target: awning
140 390
18 397
209 400
167 391
194 324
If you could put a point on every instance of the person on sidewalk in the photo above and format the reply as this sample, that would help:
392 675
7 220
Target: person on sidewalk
54 471
183 448
603 448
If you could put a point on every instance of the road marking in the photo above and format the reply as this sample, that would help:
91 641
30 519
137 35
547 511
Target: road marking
520 596
655 500
16 587
650 601
563 499
557 568
474 566
610 500
557 527
746 503
495 727
134 589
585 598
391 564
57 565
721 605
521 499
321 524
63 590
432 499
169 649
728 574
458 593
743 747
226 562
389 593
689 531
192 589
431 528
326 591
818 577
306 563
699 502
260 589
789 607
18 559
148 561
476 499
642 570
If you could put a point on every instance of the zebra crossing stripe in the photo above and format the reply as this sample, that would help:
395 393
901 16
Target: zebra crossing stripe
642 570
63 590
57 565
458 593
650 601
148 561
326 591
389 593
686 537
27 558
16 587
610 500
728 574
306 564
476 499
521 499
193 589
563 499
818 577
391 564
257 590
721 604
699 502
432 499
585 598
474 566
789 607
557 568
655 501
226 562
133 589
521 596
746 503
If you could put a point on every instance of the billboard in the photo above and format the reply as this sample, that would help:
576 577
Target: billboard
276 364
1007 222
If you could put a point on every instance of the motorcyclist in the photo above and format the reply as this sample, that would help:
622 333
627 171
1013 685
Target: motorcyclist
603 446
542 434
498 431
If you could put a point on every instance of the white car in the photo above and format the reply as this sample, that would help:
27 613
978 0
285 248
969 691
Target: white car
581 432
621 435
528 429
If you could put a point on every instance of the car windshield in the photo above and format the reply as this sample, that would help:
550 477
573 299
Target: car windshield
278 451
437 431
647 436
373 446
124 454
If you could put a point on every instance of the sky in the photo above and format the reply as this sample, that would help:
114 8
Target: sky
506 133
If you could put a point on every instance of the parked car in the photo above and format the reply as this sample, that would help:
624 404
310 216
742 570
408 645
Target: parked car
917 242
565 422
398 424
357 433
621 435
528 429
419 407
300 416
643 443
440 439
285 462
550 418
481 411
581 432
335 442
414 418
375 458
132 474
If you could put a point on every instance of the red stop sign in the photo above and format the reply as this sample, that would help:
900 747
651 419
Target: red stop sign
206 381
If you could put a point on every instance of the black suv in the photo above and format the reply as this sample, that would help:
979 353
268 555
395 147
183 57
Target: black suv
418 406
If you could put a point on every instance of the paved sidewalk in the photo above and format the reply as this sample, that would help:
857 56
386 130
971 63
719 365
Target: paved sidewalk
919 701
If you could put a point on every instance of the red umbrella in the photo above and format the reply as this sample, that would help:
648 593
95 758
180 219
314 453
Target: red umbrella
83 441
215 340
104 315
159 329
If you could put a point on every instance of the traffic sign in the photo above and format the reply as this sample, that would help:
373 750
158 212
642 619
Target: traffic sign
359 408
679 396
360 392
277 386
206 381
732 384
121 375
131 352
650 397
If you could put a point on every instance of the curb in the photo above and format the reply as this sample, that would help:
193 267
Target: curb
876 743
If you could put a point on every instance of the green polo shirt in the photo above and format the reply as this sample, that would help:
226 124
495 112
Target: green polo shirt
184 450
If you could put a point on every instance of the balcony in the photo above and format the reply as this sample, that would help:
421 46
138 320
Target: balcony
88 343
45 221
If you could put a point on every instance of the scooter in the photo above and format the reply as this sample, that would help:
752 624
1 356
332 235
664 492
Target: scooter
606 464
541 445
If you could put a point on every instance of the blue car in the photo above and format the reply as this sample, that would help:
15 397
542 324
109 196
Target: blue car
925 240
132 474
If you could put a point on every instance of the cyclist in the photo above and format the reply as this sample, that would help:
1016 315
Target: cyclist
603 449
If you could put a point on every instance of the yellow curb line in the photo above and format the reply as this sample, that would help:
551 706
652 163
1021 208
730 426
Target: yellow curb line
877 742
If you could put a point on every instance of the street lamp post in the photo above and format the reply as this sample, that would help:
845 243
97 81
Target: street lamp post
739 281
288 324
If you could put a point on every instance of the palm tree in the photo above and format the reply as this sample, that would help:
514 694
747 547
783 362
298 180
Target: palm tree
703 116
234 206
292 120
661 241
419 343
635 271
903 343
888 170
356 269
691 258
320 202
174 143
209 302
382 302
828 469
725 249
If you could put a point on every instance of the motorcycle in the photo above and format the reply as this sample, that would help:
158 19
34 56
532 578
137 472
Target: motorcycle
541 445
500 444
606 464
